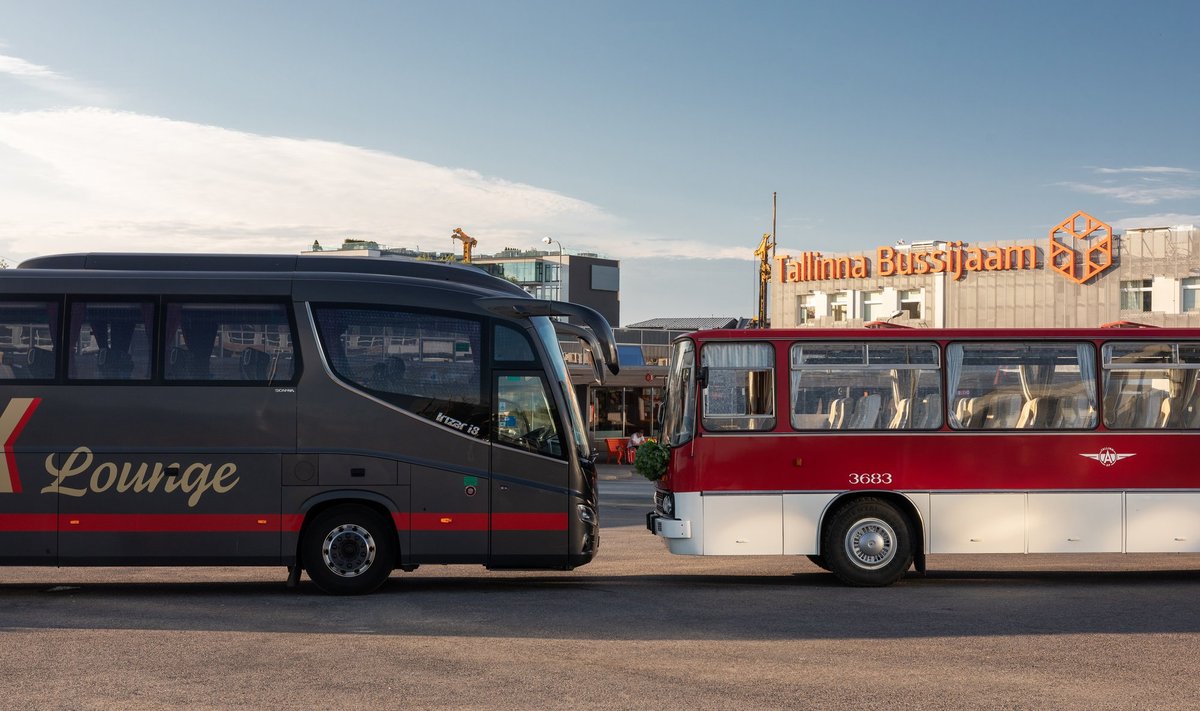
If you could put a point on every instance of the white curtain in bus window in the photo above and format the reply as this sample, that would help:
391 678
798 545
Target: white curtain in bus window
865 386
110 340
740 391
211 342
28 332
1151 385
425 363
1042 386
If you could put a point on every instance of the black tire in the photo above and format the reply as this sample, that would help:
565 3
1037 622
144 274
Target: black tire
819 561
349 550
867 544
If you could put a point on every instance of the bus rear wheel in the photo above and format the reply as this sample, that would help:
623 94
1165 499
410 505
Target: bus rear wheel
868 544
348 550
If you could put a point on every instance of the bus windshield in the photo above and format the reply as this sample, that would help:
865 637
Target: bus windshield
679 415
558 369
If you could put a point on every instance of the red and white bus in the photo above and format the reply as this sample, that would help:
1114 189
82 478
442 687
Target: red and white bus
868 449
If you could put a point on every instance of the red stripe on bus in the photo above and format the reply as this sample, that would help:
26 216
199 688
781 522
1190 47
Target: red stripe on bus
479 521
448 522
216 523
529 522
167 523
28 522
9 456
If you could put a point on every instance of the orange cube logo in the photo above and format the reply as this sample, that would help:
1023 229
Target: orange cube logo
1081 247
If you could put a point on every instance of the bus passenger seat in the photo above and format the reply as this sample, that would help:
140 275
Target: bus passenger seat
866 413
962 411
900 418
114 364
929 415
1004 413
1030 413
40 363
179 364
1150 409
837 413
255 364
1076 412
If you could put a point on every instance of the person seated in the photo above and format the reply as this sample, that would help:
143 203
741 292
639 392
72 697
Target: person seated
635 440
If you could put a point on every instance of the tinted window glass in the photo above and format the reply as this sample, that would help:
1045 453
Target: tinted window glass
28 335
426 364
525 417
228 343
110 340
512 345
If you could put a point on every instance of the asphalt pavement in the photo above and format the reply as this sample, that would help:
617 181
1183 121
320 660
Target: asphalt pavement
637 628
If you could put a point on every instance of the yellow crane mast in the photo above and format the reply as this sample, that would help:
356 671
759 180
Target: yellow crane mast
764 277
467 240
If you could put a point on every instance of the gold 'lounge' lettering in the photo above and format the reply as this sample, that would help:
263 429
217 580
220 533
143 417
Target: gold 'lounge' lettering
195 479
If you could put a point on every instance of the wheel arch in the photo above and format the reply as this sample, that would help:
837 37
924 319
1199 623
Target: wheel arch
322 502
906 506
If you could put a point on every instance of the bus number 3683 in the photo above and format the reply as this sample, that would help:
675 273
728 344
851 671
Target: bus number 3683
872 478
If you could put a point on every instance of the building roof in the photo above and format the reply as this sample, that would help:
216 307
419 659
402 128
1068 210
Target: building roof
687 324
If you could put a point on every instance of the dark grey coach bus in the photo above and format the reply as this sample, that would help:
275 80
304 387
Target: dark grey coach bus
348 416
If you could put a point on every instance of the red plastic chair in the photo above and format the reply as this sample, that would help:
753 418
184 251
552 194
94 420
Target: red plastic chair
616 447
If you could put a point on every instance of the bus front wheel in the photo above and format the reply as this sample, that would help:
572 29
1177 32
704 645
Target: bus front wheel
868 544
348 550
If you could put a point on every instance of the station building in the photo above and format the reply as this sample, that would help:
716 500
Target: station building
1080 274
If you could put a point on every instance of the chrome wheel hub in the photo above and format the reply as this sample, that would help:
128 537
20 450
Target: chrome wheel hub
871 543
349 550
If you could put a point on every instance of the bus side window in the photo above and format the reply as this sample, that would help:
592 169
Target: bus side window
1021 385
428 364
865 386
28 336
740 390
110 340
1151 385
237 342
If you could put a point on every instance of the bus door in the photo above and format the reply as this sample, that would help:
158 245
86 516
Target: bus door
408 388
529 474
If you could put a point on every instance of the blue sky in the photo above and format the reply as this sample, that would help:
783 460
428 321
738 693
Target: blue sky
654 132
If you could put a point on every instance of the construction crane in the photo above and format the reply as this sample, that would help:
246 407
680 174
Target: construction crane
765 253
467 240
764 276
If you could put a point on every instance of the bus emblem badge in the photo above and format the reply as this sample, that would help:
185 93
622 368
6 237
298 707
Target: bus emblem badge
1107 456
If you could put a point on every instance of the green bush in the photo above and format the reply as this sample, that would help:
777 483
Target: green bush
651 460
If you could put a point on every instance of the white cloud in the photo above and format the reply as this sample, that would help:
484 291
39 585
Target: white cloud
1148 169
1165 219
47 80
102 180
21 68
1138 194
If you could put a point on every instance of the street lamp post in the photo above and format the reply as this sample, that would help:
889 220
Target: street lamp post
551 240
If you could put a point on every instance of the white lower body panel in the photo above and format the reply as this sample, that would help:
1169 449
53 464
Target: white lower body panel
958 522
